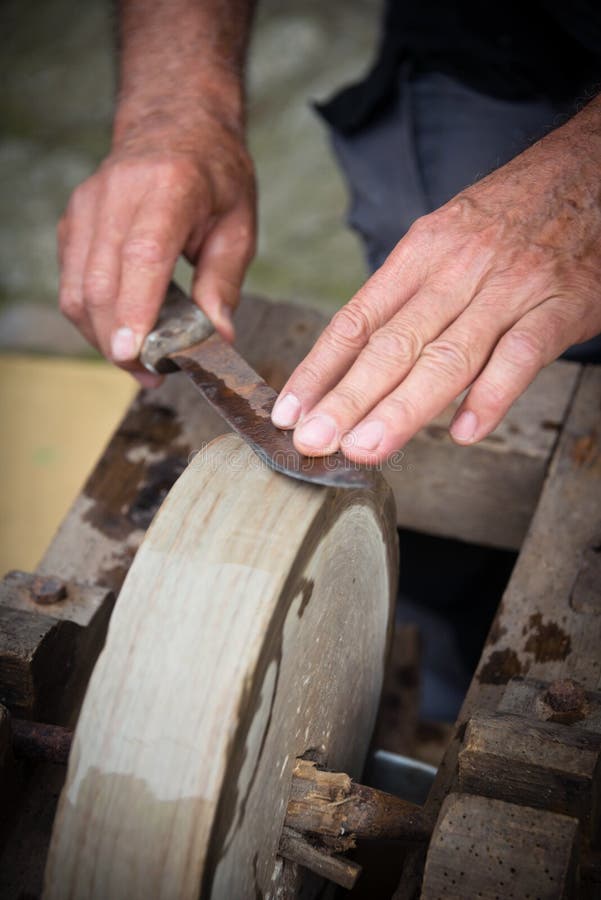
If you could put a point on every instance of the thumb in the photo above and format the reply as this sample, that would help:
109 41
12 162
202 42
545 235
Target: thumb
226 254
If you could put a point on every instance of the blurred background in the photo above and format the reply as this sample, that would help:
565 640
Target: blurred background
58 402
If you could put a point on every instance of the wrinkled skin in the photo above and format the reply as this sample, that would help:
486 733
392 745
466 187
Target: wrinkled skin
483 292
171 184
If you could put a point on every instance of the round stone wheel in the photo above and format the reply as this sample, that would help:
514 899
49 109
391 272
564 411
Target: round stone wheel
252 629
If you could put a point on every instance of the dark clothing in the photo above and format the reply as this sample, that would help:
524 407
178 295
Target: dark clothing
515 50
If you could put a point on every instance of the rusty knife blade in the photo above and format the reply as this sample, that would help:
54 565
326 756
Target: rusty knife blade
245 401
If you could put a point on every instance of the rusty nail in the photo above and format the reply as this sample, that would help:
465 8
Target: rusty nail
566 696
46 589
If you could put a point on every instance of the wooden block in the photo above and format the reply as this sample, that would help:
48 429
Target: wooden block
541 764
36 656
529 697
49 617
489 849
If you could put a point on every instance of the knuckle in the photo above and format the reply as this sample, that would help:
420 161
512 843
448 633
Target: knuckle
350 326
309 375
398 410
79 199
448 356
394 347
97 288
174 172
522 347
144 250
70 304
347 398
492 396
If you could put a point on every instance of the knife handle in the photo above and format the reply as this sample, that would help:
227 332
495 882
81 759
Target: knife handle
180 324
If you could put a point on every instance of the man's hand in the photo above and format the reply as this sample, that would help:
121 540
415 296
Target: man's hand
483 292
178 180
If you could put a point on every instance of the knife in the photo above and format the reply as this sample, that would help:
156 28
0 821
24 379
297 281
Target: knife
184 339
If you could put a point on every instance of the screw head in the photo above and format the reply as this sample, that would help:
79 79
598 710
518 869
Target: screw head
46 589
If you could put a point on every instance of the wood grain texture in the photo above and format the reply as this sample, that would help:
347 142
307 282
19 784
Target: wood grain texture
36 656
489 849
547 765
539 632
252 628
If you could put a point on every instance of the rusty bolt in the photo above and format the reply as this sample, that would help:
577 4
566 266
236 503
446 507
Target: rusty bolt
566 696
46 589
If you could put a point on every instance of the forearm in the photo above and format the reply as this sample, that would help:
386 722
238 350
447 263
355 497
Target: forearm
181 60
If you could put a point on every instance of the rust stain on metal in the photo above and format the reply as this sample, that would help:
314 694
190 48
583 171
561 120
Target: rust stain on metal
566 696
245 401
46 589
563 701
548 642
500 667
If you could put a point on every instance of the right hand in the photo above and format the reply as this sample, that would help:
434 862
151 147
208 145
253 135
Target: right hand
169 186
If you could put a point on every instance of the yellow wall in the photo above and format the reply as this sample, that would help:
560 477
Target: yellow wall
56 415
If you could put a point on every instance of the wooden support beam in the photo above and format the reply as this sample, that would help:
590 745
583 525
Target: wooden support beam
543 630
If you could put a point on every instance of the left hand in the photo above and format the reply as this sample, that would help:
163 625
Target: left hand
484 292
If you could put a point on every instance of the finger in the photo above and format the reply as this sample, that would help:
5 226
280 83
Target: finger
349 331
226 254
535 341
387 358
446 366
114 218
74 234
149 253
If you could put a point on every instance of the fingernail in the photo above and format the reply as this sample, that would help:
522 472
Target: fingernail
125 345
463 428
286 411
318 432
366 436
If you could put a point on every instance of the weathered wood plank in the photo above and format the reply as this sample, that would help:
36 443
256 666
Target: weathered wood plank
490 849
546 765
537 631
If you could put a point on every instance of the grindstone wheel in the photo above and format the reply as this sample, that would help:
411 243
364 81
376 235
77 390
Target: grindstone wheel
252 629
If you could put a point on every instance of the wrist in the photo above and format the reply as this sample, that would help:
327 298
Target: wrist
185 109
